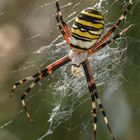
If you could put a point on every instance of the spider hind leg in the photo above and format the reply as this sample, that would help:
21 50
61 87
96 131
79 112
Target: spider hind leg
63 27
113 28
115 37
60 19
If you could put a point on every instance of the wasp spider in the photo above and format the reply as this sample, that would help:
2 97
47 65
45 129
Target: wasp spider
83 39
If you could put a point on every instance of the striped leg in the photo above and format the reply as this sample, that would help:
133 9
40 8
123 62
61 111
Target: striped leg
46 71
26 93
113 28
111 40
27 79
59 14
61 24
94 114
94 95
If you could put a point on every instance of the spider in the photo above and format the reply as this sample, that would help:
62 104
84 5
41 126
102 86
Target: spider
83 40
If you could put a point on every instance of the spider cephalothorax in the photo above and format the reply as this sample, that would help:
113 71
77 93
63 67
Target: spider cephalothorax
83 40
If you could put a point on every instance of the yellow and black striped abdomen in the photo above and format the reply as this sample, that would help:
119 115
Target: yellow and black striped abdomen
87 29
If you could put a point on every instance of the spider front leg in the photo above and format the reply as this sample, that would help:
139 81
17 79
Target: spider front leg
39 73
26 93
22 81
43 73
95 97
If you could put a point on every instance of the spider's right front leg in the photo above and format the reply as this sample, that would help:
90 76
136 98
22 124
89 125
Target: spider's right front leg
46 71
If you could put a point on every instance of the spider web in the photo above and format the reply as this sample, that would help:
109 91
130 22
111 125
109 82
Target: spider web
60 103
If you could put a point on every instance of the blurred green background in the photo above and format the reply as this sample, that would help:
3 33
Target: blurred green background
60 104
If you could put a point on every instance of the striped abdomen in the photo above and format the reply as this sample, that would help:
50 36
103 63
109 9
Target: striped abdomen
87 29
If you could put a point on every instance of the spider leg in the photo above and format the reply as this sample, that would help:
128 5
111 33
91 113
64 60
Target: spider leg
26 93
113 28
45 72
62 24
59 16
111 40
62 31
94 95
94 114
27 79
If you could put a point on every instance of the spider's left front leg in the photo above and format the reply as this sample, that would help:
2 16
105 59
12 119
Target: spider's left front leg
45 72
95 98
